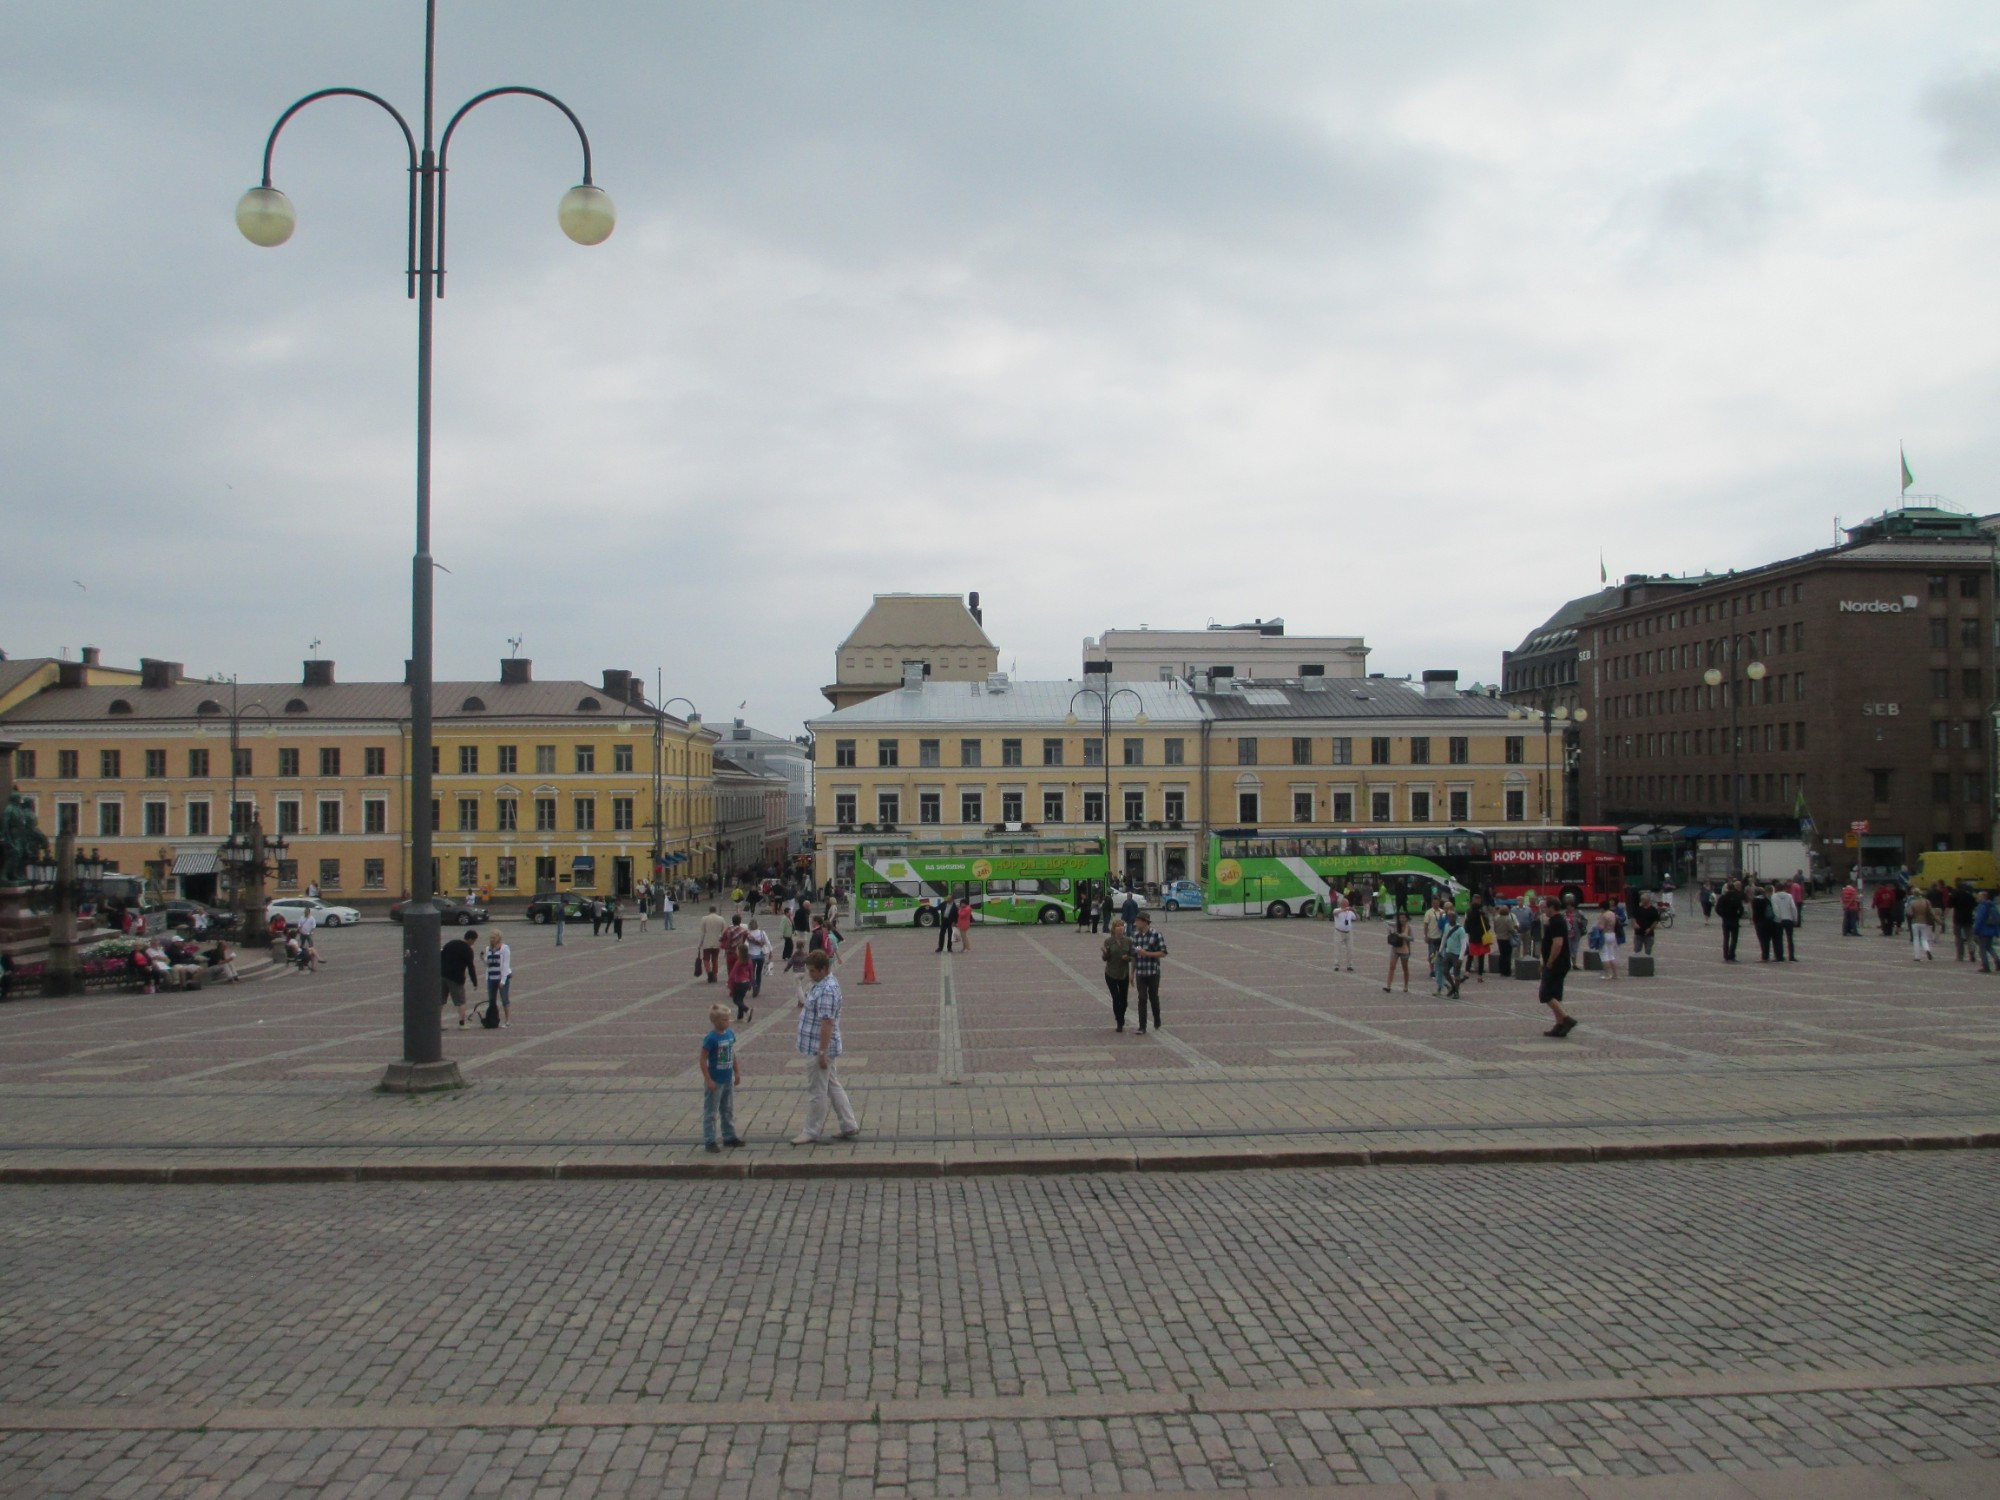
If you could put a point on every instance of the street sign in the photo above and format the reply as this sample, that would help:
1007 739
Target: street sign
1853 841
1861 827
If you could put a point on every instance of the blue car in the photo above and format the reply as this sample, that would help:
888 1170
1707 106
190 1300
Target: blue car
1181 895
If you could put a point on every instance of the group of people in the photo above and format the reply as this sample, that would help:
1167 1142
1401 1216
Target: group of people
459 964
817 1040
741 950
1094 907
1774 908
179 962
1132 952
1923 911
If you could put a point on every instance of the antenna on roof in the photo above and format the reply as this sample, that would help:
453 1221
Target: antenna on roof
315 644
514 645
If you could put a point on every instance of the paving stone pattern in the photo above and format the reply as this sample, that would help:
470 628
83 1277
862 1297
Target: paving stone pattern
1251 1300
1263 1047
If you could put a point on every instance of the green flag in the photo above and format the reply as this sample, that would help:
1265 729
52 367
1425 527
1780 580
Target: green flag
1908 478
1799 804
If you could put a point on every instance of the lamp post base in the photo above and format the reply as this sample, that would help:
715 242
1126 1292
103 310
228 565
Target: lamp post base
421 1078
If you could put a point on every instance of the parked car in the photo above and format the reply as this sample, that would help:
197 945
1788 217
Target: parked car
575 908
1115 898
1181 895
291 908
179 914
452 912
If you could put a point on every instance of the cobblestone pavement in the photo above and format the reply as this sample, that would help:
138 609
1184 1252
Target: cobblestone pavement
1273 1329
1008 1050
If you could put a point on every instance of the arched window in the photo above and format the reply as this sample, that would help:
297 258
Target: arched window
119 706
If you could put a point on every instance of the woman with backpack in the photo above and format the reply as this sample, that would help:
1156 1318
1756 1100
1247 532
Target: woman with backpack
1399 952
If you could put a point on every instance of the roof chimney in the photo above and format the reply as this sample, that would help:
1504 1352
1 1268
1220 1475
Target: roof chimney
69 674
635 694
90 656
1440 684
972 607
154 673
516 670
318 674
617 684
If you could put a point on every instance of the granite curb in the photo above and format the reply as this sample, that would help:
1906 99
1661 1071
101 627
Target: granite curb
854 1166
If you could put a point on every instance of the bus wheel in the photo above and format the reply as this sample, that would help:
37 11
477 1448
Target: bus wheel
1277 909
926 917
1050 916
1307 908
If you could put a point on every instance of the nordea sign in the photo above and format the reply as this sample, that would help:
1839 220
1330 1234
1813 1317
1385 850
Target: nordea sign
1877 606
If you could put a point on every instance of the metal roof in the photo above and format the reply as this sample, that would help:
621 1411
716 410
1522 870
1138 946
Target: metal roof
1345 698
1017 703
385 702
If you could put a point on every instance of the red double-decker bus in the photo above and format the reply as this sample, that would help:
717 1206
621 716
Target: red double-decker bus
1585 862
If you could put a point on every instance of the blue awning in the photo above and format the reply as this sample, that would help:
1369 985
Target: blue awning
1694 831
583 862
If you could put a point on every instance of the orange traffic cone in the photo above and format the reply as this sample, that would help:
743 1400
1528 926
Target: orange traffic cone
868 964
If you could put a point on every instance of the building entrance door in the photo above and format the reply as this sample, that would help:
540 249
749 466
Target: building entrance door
1174 864
621 877
1135 866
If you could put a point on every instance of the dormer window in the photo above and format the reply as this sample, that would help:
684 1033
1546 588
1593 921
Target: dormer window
473 705
208 706
295 706
120 706
588 706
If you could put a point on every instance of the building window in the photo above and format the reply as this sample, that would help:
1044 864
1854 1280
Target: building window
329 760
288 761
843 808
329 817
1381 807
1093 752
1420 807
545 760
1341 807
1246 809
1176 806
156 820
971 807
110 819
843 752
507 814
197 763
586 814
374 874
1517 805
288 874
156 764
240 757
1093 807
24 764
468 815
437 760
586 760
1461 807
1798 687
1971 680
621 760
1011 810
468 871
1135 807
374 761
66 763
506 872
930 752
545 814
1135 752
1176 752
1882 783
1940 786
621 814
1420 750
1458 749
930 807
1010 755
888 808
1938 585
1052 807
1940 682
1302 750
509 757
1975 788
108 764
1968 585
68 814
1246 752
1968 631
1517 749
888 753
329 874
968 752
1302 807
288 816
545 872
1378 751
1052 752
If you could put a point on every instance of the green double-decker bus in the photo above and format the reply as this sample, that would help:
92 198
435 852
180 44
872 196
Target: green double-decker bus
1253 873
1007 880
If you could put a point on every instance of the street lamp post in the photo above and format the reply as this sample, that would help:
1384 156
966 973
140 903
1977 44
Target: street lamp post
237 832
266 218
1551 713
693 722
65 873
1714 678
1104 701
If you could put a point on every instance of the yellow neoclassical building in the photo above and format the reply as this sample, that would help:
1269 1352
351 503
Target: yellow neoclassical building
538 785
964 761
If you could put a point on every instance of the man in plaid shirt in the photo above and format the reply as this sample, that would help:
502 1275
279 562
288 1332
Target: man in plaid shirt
1148 948
819 1043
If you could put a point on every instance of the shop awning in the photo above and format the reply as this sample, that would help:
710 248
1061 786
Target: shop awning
583 862
196 862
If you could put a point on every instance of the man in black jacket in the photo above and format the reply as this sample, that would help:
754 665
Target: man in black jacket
1729 907
455 966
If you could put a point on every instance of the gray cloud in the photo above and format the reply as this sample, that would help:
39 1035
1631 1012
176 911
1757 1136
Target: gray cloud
1966 113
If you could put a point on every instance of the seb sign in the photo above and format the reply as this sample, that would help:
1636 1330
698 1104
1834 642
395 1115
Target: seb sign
1878 606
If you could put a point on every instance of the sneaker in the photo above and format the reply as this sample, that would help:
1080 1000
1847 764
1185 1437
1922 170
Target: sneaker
848 1135
1566 1025
750 1014
711 1146
805 1140
737 1142
1553 1031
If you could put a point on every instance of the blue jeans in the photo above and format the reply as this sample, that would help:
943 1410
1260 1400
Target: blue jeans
1986 955
720 1100
559 932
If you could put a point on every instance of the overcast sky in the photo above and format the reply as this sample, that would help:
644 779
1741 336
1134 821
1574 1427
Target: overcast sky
1383 318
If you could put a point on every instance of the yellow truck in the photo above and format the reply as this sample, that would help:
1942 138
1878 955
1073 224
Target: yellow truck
1973 867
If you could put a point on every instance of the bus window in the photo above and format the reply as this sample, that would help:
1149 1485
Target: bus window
1604 841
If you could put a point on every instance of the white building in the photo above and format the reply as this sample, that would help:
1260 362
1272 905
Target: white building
1221 652
756 750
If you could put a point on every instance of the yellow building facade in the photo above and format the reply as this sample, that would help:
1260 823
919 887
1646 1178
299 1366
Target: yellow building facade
550 785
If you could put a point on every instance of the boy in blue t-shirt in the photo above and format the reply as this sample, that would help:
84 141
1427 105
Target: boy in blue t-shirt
719 1070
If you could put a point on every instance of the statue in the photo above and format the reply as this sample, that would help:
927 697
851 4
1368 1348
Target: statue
20 840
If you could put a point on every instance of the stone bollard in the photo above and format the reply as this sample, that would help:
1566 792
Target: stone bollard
1529 969
1592 959
1640 966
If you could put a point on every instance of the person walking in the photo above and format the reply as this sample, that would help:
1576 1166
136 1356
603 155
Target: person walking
758 944
819 1044
1922 917
947 923
666 910
1645 917
1729 907
1785 924
500 975
1850 910
711 943
1555 968
1478 938
1117 951
645 909
1399 951
1963 904
741 971
1452 945
455 966
1343 935
720 1072
1708 899
1148 948
1130 912
1985 928
1433 929
965 924
1505 929
1608 945
1761 921
1885 908
613 920
1085 911
562 916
